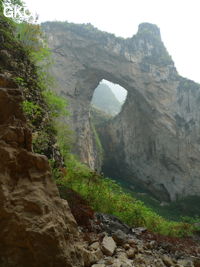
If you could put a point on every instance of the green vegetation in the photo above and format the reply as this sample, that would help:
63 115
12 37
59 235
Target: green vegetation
45 111
97 141
98 120
177 210
24 42
86 29
104 195
57 105
31 110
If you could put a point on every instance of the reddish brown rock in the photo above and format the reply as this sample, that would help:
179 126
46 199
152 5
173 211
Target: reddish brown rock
80 208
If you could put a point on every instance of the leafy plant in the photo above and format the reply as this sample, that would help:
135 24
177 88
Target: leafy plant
20 81
32 110
57 105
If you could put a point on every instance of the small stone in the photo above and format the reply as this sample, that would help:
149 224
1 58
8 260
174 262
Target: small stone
148 252
131 242
167 261
91 257
109 261
140 259
119 237
126 246
119 250
152 244
131 253
141 249
139 230
108 246
122 256
95 245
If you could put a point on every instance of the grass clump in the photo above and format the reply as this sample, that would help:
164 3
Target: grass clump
106 196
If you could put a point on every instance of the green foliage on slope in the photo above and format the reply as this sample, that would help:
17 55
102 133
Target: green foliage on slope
178 210
105 195
42 108
25 57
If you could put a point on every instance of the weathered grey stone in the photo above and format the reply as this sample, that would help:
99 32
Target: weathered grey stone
109 261
108 246
95 245
167 261
91 257
154 141
119 237
110 224
131 253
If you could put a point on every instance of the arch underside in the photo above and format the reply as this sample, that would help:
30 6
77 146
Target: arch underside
154 141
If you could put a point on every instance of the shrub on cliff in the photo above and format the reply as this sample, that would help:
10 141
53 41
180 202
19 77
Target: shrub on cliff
25 57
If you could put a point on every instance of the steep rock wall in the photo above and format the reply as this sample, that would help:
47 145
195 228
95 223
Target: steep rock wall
37 227
154 141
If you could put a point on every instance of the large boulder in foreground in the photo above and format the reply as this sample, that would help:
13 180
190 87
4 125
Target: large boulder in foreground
37 227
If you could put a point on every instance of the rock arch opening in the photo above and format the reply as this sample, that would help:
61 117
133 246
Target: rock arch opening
145 142
108 98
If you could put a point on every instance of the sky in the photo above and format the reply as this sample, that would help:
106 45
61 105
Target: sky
178 20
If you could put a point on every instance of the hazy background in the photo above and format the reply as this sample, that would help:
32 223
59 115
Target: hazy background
178 20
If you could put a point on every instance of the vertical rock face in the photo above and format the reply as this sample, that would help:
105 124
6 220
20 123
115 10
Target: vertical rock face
37 228
154 141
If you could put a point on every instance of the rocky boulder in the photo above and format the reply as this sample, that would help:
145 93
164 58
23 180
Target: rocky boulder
108 246
37 227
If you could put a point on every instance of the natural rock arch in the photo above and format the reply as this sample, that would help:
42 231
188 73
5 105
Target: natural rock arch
155 139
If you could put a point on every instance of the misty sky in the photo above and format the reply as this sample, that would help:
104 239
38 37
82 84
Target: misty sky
178 20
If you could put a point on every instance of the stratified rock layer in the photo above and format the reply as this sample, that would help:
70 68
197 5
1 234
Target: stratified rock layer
37 227
154 141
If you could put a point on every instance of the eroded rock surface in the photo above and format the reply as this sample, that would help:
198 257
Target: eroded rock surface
154 141
37 227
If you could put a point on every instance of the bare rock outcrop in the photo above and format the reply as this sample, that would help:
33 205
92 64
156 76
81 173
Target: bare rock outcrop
37 227
154 141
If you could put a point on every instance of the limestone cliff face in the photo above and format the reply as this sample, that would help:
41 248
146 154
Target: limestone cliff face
154 141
